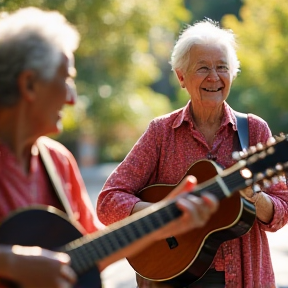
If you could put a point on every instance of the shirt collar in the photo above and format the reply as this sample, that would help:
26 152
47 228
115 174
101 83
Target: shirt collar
185 115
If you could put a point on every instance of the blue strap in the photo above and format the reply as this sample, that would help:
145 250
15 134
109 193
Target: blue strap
242 127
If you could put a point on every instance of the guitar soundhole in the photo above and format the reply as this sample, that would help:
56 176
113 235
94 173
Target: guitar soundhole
172 242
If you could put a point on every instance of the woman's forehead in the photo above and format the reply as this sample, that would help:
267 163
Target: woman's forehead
202 53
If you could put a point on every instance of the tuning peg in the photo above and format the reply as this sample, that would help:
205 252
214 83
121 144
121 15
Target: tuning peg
236 155
275 180
252 159
259 146
280 137
259 176
271 141
239 155
285 166
262 154
256 188
270 150
252 150
266 183
270 172
279 167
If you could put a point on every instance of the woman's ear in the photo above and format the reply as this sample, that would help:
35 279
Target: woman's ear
180 77
26 84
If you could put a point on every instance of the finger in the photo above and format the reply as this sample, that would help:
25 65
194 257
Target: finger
62 257
211 201
195 211
203 207
67 273
186 185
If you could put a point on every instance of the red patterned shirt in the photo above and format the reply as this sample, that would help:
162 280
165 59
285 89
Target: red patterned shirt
163 155
19 190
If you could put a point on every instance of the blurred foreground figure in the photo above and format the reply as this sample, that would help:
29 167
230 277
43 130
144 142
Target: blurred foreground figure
36 81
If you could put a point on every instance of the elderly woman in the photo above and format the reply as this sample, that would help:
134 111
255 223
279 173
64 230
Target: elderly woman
205 63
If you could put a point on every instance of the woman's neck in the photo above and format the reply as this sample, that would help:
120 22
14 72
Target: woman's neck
207 122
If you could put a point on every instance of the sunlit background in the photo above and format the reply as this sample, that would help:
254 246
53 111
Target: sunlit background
124 77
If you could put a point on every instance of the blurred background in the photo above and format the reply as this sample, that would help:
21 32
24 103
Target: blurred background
124 80
124 77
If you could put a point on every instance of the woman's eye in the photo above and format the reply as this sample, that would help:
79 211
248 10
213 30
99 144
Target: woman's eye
222 68
203 70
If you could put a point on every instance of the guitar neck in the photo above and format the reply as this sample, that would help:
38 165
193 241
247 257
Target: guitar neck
89 249
223 186
84 252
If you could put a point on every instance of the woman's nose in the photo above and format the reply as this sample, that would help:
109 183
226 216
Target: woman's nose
213 75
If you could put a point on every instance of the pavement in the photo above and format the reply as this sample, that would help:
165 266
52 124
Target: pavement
121 275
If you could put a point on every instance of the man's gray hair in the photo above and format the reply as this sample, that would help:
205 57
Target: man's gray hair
32 39
204 32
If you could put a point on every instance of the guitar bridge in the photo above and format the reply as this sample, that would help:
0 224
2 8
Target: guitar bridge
172 242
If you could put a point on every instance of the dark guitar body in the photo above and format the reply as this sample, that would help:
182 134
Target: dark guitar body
194 251
39 227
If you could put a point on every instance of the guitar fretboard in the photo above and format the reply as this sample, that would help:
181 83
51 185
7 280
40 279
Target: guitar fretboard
86 251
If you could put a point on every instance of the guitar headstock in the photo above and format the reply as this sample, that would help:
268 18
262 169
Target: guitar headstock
264 161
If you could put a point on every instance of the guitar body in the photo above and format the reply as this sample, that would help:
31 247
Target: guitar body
41 227
187 257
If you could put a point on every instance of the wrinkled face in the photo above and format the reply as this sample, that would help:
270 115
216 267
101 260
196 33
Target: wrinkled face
208 78
52 95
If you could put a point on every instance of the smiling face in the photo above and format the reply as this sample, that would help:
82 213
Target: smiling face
49 98
208 79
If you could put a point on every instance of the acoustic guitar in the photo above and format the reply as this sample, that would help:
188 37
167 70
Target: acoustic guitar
184 259
49 228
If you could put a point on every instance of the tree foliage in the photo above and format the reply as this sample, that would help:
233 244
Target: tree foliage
122 40
261 87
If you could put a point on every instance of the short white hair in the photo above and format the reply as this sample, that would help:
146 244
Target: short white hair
32 39
204 32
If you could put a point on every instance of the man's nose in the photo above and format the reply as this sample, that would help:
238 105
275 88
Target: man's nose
71 92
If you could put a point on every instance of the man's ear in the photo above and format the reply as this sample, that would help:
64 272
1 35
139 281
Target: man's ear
180 77
26 84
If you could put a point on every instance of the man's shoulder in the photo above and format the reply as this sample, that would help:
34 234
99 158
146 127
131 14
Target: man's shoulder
54 146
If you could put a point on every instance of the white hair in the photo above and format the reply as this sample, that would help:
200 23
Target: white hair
32 39
204 32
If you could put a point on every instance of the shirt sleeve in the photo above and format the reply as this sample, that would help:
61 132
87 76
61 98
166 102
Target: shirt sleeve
119 193
259 131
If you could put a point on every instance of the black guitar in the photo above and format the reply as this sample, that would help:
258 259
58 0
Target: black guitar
49 228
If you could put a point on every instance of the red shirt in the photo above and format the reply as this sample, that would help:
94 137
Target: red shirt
164 154
19 190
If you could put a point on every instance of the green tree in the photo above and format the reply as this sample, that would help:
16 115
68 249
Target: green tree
116 63
262 85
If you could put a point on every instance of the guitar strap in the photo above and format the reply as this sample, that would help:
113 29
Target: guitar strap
243 130
54 177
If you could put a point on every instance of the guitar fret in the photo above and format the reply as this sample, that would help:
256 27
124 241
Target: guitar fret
105 245
121 238
170 212
136 228
234 181
77 262
141 228
214 189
